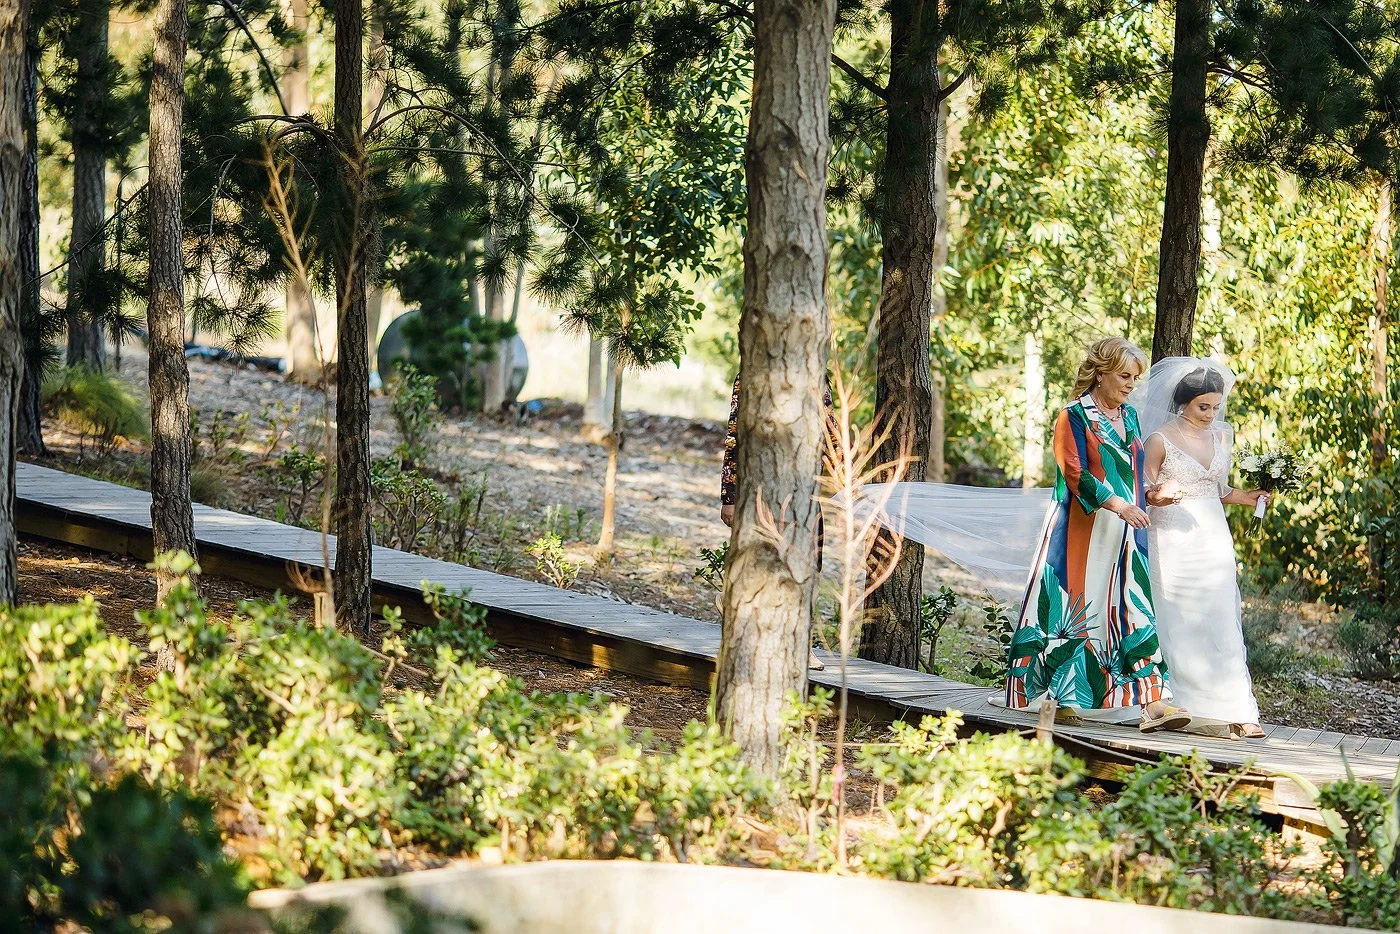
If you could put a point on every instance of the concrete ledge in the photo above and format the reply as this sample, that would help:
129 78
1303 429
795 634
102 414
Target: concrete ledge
623 897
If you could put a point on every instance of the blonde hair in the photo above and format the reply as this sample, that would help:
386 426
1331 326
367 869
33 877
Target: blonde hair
1106 355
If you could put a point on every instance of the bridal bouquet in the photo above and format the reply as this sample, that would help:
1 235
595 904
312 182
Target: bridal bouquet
1277 471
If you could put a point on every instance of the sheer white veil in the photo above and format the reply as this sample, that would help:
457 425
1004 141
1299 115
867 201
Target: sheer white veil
1156 400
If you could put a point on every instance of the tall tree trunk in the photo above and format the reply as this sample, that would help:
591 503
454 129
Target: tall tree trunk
172 516
87 243
1188 136
1382 234
14 31
937 470
614 440
495 381
306 349
29 436
1033 447
354 534
903 382
378 51
602 386
784 334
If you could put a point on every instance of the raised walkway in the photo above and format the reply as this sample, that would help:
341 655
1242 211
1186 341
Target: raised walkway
656 645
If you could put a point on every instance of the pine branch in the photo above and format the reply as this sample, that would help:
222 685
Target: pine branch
252 40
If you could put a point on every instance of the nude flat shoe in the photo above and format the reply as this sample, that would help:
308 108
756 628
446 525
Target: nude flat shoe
1172 718
1248 731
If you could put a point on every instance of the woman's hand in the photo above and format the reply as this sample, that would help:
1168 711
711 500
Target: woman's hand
1166 493
1252 497
1128 512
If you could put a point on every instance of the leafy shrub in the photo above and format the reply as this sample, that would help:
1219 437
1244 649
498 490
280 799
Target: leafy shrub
98 406
935 612
460 626
298 474
551 562
412 401
989 665
406 503
1360 879
712 571
126 858
1369 634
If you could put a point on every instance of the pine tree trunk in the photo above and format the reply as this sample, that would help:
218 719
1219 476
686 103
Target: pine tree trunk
172 516
937 470
374 304
29 436
495 377
1382 233
1188 136
1033 446
903 382
87 244
14 22
601 389
354 534
307 349
783 341
615 440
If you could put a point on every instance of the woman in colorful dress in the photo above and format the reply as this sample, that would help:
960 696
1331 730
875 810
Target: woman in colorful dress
1086 633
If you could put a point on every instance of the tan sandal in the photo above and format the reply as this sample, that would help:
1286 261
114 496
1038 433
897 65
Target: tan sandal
814 663
1172 718
1248 731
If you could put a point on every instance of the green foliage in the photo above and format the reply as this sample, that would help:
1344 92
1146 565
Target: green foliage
127 857
551 562
935 611
460 626
98 406
712 571
405 504
299 474
989 666
412 402
1361 877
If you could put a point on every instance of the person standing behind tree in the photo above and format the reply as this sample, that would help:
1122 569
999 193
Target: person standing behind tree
729 476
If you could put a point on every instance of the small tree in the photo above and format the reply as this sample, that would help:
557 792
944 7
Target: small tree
658 148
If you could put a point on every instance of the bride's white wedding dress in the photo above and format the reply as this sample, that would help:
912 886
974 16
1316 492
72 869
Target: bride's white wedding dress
1195 592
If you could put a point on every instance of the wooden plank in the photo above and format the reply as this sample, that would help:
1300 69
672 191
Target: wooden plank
1281 734
1328 740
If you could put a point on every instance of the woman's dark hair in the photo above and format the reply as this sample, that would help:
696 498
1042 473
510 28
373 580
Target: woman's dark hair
1198 382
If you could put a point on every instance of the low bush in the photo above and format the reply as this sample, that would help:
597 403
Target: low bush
98 406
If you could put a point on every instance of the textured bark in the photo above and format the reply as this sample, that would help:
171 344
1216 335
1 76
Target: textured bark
1188 136
937 468
307 350
597 408
14 19
86 244
172 516
29 436
904 382
614 441
783 340
378 52
1382 233
495 372
1033 442
354 534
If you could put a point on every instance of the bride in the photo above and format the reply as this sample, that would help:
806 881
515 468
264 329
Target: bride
1192 555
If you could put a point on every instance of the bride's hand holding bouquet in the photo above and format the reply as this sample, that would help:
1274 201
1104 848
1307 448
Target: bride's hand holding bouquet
1268 472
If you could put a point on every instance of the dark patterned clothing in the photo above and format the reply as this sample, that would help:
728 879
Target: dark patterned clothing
729 472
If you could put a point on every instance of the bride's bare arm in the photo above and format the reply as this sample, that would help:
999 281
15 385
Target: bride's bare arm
1156 454
1242 497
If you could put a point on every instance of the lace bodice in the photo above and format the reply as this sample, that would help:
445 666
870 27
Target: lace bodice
1196 482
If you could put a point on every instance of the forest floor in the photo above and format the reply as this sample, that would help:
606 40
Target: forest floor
525 478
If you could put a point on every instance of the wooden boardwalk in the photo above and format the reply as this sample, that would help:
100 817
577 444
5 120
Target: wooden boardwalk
662 646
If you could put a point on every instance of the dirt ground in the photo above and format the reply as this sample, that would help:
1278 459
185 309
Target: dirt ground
539 474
